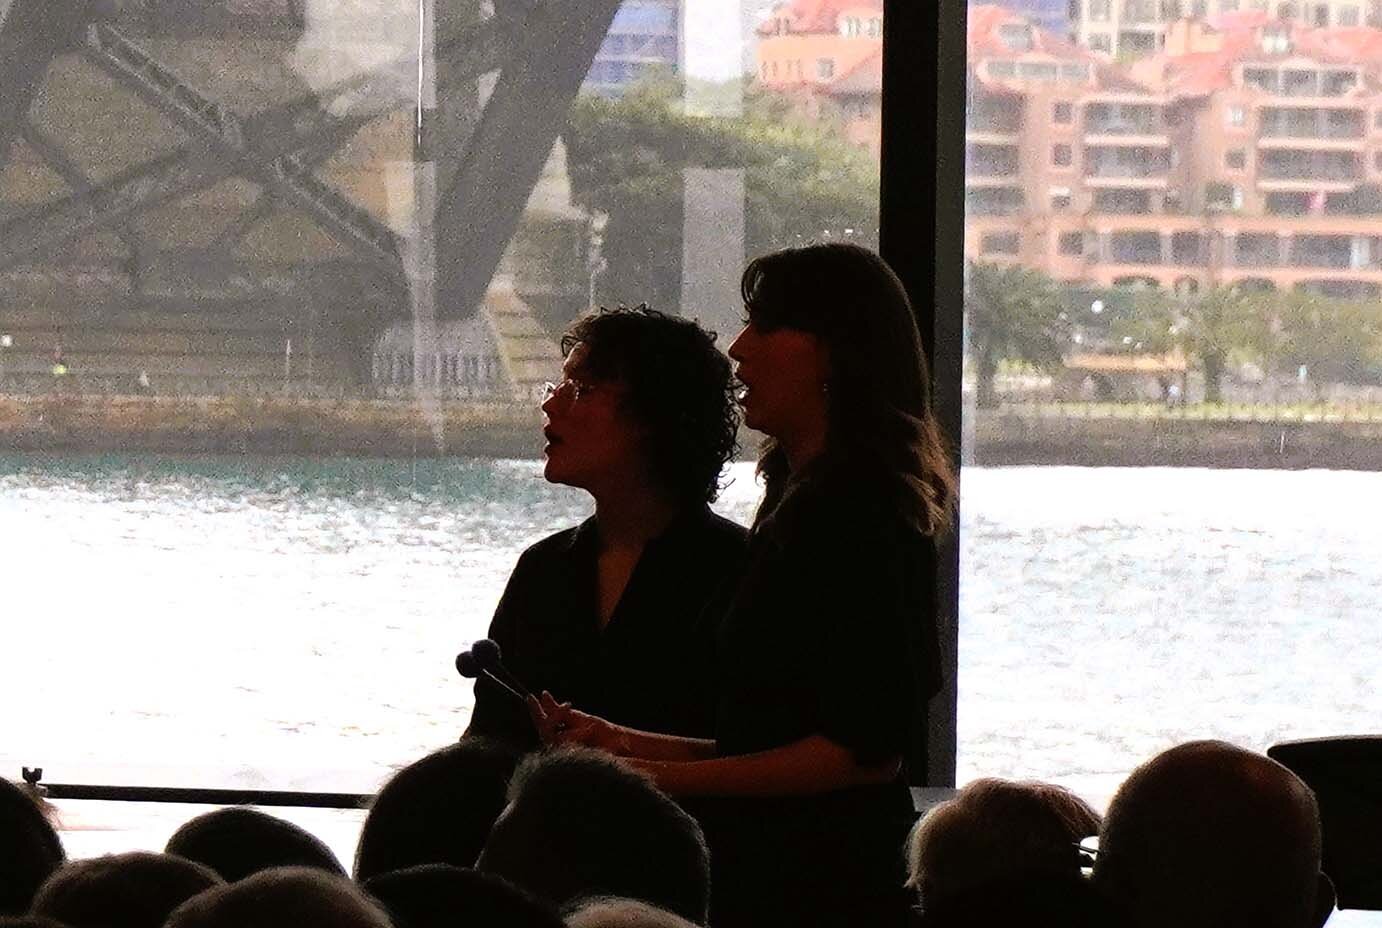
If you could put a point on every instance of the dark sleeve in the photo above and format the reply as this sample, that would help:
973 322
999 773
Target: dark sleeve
497 714
862 586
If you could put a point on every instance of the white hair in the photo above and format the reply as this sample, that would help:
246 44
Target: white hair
614 912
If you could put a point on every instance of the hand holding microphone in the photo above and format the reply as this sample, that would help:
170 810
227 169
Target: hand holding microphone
556 722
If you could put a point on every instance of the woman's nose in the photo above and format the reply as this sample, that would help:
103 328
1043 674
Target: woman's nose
736 347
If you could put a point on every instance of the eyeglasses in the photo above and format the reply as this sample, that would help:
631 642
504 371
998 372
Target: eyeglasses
579 388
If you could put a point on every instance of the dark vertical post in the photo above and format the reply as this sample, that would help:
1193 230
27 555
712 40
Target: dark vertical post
921 236
479 209
32 34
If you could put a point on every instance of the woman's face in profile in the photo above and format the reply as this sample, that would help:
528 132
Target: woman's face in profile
784 374
592 443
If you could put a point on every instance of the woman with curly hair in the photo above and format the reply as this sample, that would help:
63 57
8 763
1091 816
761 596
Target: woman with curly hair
825 652
605 613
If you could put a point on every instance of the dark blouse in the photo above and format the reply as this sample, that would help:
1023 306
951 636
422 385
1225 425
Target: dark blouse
647 668
829 631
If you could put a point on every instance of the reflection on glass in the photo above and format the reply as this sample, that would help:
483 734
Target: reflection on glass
1172 243
280 283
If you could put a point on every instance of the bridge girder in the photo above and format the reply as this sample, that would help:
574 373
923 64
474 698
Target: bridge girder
278 147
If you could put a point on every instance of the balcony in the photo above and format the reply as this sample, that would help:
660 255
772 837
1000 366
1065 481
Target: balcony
1134 248
992 162
994 201
1000 118
1255 249
1301 82
1312 128
1292 169
1141 13
1142 166
1337 252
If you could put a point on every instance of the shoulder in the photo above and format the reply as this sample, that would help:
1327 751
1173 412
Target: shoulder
842 506
552 548
724 531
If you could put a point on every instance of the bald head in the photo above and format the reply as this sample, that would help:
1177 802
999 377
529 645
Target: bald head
1211 834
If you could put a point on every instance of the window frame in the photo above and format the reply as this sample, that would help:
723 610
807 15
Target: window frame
921 212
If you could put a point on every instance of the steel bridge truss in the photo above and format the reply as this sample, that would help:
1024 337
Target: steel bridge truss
541 48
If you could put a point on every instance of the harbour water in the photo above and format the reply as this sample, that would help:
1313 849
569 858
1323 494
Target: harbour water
291 623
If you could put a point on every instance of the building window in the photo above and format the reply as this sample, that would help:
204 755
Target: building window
1377 162
1071 244
825 68
1100 11
1001 69
1063 112
1000 243
1237 117
1377 121
1236 159
1062 156
1101 42
1349 16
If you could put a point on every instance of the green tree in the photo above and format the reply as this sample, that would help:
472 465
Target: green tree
1209 327
627 158
1014 314
1336 341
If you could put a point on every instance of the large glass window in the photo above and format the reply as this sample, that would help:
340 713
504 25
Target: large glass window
1172 393
280 283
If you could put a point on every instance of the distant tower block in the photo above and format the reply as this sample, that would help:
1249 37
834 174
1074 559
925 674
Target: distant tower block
713 248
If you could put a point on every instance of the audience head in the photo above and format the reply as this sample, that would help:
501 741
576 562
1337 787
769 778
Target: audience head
580 823
997 830
436 810
135 890
443 896
29 848
832 343
1033 901
644 397
285 897
611 912
1209 834
29 921
237 842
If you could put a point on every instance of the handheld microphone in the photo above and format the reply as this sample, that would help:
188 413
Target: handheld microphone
468 666
487 652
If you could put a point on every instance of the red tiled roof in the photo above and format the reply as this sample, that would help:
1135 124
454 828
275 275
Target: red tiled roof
815 16
985 41
1240 39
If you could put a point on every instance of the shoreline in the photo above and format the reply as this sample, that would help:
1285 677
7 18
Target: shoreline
395 429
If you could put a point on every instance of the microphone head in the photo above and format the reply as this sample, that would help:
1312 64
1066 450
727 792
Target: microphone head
467 665
486 652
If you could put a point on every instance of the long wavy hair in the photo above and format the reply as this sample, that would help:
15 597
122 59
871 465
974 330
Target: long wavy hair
881 426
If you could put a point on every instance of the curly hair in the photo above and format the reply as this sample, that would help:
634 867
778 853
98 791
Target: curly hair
880 417
680 391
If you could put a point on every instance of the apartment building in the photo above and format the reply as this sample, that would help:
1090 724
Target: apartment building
1051 15
827 55
1245 154
644 38
1133 28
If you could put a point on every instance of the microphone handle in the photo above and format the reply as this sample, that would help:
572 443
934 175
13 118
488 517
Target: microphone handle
516 694
509 675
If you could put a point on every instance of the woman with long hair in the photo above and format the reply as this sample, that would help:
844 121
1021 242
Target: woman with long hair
825 652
